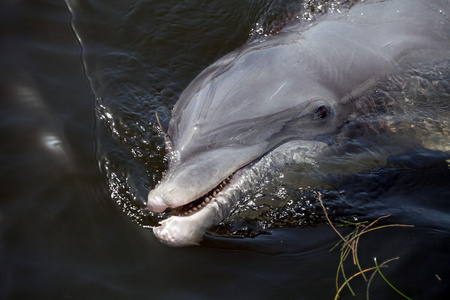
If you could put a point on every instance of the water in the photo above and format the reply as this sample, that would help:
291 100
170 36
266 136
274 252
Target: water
81 147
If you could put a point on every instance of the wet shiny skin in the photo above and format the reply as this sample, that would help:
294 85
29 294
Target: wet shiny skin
235 109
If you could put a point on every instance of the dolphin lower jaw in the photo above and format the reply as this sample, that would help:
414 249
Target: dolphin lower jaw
186 224
180 231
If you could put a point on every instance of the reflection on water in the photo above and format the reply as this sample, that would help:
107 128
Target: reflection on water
81 148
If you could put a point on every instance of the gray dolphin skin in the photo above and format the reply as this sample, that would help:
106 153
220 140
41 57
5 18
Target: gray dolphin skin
276 101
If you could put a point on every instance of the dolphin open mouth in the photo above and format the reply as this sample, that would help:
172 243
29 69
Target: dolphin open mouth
186 224
200 203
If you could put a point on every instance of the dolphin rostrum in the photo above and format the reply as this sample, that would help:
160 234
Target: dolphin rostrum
276 101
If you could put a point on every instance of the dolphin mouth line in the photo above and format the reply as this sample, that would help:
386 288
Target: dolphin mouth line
196 205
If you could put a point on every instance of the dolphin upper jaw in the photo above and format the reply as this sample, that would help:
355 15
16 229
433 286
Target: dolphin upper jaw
188 180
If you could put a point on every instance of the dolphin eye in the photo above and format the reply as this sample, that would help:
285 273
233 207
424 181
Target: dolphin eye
321 112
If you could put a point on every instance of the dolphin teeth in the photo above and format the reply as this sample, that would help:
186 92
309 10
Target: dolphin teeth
198 204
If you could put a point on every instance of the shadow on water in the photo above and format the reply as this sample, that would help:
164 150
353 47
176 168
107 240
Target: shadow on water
74 166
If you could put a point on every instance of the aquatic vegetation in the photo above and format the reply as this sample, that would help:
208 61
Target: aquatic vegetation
349 246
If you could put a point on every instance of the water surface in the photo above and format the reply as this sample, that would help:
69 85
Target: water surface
81 82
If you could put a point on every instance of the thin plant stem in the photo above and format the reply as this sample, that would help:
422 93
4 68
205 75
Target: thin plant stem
375 272
345 251
381 274
368 284
159 123
350 245
345 277
353 276
380 227
355 258
331 224
334 247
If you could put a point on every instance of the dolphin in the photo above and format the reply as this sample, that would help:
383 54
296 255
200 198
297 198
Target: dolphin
276 101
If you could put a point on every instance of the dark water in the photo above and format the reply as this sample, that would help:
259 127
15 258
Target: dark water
80 84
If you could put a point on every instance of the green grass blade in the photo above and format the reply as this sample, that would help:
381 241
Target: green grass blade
346 281
381 274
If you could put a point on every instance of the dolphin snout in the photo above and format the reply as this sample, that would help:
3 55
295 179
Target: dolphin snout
156 203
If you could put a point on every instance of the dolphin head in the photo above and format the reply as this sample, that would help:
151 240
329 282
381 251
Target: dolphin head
232 114
291 92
